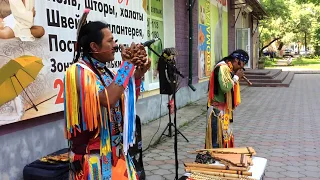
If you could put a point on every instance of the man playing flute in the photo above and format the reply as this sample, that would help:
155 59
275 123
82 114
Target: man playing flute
223 98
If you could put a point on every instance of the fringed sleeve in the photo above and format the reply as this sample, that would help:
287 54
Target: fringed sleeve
225 79
236 95
86 100
211 89
226 84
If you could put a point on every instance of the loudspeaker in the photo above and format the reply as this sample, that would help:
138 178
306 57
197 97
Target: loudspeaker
167 71
166 76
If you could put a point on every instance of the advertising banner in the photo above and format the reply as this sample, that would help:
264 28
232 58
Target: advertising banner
212 34
37 40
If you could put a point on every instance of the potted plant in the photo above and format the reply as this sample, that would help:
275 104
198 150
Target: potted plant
261 62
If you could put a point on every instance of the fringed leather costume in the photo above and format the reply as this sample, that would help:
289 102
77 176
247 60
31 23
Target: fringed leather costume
100 136
223 98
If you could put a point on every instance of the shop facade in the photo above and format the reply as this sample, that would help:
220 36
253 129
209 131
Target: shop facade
200 30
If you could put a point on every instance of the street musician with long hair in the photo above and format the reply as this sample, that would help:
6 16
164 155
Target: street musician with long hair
100 105
223 98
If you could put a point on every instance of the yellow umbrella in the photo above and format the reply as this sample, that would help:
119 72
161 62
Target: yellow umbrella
16 75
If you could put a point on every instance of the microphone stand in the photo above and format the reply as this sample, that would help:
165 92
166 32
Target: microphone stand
175 114
149 47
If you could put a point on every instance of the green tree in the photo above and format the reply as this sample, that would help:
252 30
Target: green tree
276 25
316 32
316 2
305 19
289 22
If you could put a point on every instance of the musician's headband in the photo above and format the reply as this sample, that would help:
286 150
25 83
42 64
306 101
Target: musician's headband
241 57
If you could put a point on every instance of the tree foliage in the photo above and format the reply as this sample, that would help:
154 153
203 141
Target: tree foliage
276 25
316 2
289 22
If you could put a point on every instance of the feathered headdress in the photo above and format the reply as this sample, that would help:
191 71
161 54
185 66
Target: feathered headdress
82 22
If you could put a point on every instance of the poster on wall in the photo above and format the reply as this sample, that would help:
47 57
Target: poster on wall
155 29
37 45
212 34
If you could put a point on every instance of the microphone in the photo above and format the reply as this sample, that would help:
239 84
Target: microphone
148 43
110 50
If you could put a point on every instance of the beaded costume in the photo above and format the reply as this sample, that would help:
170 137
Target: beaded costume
223 98
100 136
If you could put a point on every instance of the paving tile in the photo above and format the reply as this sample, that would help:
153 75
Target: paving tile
268 178
154 177
274 175
161 158
155 163
275 169
312 174
276 164
293 174
279 123
150 167
308 178
293 168
147 159
171 161
279 150
164 153
151 155
167 166
161 172
310 163
148 173
169 177
154 151
276 154
312 168
294 163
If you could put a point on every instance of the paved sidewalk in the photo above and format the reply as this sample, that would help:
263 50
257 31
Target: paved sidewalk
280 123
297 69
152 131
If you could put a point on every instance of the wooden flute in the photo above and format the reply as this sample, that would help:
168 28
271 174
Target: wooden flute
247 80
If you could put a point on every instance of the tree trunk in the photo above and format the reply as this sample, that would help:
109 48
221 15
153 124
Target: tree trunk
261 50
305 42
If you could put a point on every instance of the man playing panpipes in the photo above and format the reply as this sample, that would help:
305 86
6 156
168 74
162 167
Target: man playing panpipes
100 105
223 97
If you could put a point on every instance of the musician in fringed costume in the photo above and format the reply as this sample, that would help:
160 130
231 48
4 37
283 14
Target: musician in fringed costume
100 105
223 98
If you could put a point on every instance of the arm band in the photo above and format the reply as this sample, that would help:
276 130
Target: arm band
124 74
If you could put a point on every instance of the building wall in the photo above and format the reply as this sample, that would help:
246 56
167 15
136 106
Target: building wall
169 23
257 40
244 22
255 44
231 28
182 41
252 46
27 141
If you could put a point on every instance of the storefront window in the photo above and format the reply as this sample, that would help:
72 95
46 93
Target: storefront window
155 29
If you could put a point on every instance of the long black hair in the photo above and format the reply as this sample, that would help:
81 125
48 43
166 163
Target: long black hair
90 32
